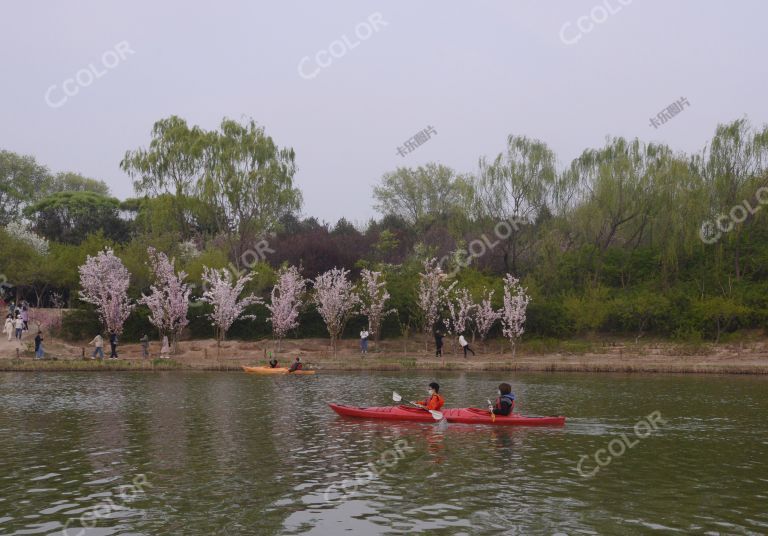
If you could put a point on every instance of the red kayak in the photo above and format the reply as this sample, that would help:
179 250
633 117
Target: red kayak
460 415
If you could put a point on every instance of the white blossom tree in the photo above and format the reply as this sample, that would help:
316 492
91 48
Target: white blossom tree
104 280
286 302
486 315
461 308
222 290
21 231
168 299
373 298
516 302
336 301
432 294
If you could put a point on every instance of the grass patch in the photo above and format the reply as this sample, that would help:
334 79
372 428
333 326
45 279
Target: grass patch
87 365
551 346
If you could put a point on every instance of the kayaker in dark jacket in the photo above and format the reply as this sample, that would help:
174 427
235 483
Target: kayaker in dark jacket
272 361
435 401
506 401
296 365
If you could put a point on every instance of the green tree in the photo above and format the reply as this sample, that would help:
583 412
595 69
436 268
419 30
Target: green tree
514 188
22 181
70 216
734 166
429 191
248 183
174 164
75 182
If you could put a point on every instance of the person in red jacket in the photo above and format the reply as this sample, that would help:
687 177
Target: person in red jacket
435 401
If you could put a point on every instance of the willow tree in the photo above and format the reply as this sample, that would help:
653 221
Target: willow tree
248 184
616 187
515 187
734 166
174 163
419 195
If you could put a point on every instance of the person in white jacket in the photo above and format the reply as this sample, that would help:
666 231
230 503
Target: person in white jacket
364 334
19 325
465 345
8 327
98 346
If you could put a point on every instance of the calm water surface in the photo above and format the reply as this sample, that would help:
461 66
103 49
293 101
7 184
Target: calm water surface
228 453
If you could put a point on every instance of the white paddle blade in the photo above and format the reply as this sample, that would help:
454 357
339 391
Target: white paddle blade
490 403
438 416
396 397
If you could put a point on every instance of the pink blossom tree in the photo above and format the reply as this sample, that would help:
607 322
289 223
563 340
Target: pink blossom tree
336 301
222 290
168 299
486 315
286 302
516 302
461 308
373 298
104 280
432 295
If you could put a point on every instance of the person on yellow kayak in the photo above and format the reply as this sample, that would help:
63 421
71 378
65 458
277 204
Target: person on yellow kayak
435 401
297 365
272 361
506 401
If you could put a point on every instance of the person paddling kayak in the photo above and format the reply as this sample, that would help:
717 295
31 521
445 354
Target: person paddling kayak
435 401
272 361
297 365
506 401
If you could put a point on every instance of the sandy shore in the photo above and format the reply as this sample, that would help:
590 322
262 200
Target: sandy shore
586 356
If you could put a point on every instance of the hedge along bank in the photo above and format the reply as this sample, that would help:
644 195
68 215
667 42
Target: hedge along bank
643 429
86 76
340 47
586 23
711 231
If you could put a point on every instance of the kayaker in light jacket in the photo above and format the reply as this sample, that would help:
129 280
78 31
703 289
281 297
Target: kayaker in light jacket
506 401
435 401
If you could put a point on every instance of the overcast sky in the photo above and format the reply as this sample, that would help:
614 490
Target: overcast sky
475 71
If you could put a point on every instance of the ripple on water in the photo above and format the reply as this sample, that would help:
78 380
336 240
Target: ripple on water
228 453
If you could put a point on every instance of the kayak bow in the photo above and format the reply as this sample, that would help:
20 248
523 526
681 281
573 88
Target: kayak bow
457 415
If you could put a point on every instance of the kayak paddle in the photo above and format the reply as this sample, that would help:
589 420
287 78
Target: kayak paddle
438 416
490 408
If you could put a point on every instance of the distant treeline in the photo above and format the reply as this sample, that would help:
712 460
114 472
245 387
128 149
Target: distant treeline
629 238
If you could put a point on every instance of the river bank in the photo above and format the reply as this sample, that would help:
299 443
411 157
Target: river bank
607 355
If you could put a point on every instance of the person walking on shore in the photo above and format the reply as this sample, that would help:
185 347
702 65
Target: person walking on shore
19 325
465 345
25 317
144 346
438 344
364 341
9 329
98 346
166 348
113 345
39 345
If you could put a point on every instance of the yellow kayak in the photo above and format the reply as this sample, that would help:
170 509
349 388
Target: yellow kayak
276 370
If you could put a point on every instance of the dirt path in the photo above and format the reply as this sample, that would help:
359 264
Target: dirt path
605 356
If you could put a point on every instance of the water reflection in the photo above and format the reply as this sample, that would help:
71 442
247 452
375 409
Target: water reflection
238 454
